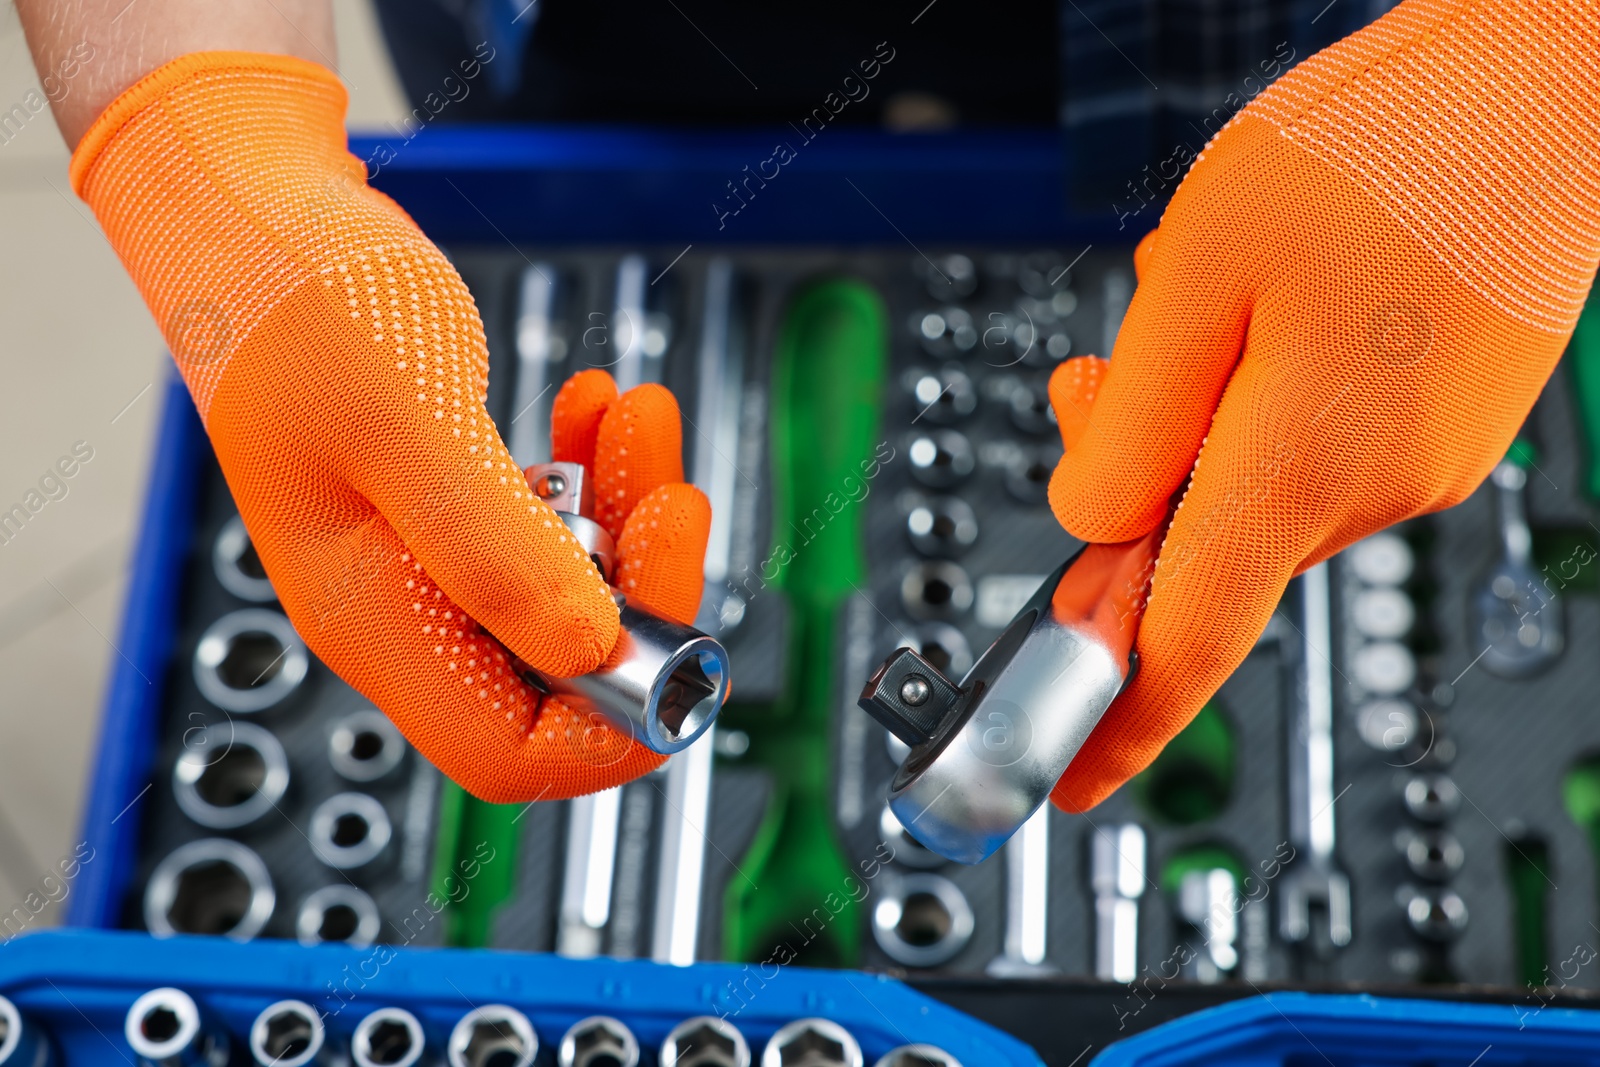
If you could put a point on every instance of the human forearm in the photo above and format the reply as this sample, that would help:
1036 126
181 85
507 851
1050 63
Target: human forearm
107 45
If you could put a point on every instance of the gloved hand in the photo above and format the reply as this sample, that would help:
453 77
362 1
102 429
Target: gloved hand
339 365
1347 311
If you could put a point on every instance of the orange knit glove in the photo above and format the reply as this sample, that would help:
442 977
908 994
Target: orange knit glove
340 368
1350 306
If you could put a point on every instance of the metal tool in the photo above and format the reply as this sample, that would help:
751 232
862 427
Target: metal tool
1434 914
365 746
249 660
388 1037
675 932
811 1043
719 404
541 356
598 1041
1027 901
1208 903
641 329
1518 615
664 682
237 567
494 1035
349 831
339 913
1312 880
922 919
986 753
705 1041
1431 798
230 774
211 886
917 1056
586 882
1431 854
1117 878
288 1033
22 1044
165 1028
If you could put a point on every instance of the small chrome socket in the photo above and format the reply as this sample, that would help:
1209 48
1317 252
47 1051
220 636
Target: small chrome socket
388 1037
922 920
237 567
22 1044
936 589
812 1043
350 831
705 1041
906 849
494 1035
288 1034
230 775
249 660
941 459
942 527
598 1041
211 886
365 746
917 1056
164 1027
338 914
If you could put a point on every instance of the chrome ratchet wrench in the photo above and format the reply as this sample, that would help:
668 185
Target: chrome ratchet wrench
1312 879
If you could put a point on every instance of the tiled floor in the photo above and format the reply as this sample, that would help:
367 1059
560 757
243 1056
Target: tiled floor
79 355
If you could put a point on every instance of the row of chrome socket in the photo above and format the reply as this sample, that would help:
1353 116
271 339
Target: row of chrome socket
167 1027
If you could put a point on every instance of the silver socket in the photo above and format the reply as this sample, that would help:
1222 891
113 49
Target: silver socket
211 886
350 830
492 1036
1382 559
230 774
21 1043
812 1043
365 746
388 1037
1434 914
705 1041
942 396
922 920
598 1041
1029 471
942 458
1435 855
906 849
238 569
287 1034
917 1056
942 526
936 589
339 913
249 660
164 1028
1432 797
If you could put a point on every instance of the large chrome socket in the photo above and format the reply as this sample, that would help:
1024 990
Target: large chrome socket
164 1027
22 1044
705 1041
238 569
338 913
922 920
598 1041
230 774
249 660
350 830
492 1036
388 1037
664 682
212 886
812 1043
288 1033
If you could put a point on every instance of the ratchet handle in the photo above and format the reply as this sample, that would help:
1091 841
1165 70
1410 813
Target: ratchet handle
1104 592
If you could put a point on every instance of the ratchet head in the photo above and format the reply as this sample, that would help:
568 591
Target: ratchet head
663 682
986 753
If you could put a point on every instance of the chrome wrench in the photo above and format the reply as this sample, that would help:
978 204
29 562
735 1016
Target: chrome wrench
1312 878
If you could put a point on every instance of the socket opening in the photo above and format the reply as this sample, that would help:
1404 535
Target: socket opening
164 1024
389 1037
691 696
940 460
1028 474
249 660
10 1029
286 1034
365 746
493 1036
339 914
232 774
943 526
923 921
705 1041
936 590
214 886
237 567
599 1041
350 830
812 1043
917 1056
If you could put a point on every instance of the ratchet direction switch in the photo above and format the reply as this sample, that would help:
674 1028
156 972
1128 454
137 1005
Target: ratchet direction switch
664 682
985 753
